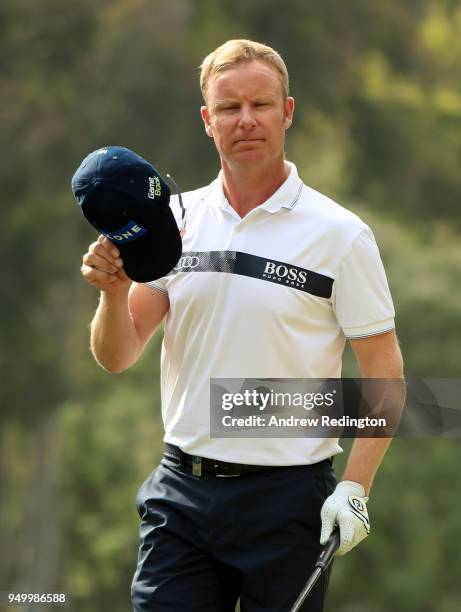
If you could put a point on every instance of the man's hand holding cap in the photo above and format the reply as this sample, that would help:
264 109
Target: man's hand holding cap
126 199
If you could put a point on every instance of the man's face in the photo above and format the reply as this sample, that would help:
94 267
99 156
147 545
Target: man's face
247 115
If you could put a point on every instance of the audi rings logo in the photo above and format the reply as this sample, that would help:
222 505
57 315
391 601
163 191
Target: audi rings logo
187 261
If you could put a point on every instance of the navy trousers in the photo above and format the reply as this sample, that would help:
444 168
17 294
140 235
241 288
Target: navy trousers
207 541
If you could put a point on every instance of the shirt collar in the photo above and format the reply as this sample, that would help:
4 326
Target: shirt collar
286 195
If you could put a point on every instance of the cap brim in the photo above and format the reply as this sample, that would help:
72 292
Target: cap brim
154 254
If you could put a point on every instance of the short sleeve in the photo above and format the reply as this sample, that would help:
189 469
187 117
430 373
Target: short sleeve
158 285
361 298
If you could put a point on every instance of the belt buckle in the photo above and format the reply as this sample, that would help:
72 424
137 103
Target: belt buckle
196 465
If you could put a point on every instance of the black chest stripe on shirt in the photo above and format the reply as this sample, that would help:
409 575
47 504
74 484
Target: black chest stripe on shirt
244 264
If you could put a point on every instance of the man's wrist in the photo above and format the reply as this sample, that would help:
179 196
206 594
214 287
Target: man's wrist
351 487
108 298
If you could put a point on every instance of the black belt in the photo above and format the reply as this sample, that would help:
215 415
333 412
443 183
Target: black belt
195 465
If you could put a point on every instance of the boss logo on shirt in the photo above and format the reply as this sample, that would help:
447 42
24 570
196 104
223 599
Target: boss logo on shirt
289 275
253 266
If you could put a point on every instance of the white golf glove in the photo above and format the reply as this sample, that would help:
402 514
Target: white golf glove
346 507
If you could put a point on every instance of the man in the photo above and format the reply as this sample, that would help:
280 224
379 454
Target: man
206 539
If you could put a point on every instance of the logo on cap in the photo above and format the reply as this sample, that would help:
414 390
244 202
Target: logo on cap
155 188
131 231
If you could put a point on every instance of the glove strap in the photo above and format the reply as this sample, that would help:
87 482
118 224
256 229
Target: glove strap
358 507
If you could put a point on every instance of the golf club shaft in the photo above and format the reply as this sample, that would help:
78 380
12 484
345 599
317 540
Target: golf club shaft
321 564
307 589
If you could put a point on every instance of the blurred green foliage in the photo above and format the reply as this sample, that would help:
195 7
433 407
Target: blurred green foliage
377 127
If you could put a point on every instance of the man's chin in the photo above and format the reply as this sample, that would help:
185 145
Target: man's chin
254 150
251 157
248 157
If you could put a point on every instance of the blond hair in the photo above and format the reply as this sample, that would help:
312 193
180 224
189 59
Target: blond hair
235 52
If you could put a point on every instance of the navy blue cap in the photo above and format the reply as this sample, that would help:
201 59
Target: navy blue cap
125 198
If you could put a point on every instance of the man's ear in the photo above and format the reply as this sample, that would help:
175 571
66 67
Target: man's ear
206 120
289 110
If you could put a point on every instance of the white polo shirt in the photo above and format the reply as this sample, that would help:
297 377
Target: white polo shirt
272 295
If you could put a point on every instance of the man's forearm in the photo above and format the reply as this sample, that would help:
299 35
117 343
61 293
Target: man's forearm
383 390
114 341
385 398
364 460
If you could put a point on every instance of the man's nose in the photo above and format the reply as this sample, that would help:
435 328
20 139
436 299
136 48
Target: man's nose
247 118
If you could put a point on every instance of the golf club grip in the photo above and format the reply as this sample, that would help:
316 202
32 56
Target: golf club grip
329 550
